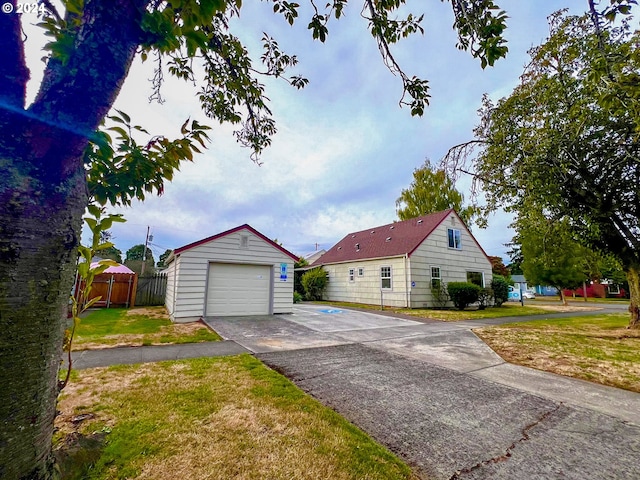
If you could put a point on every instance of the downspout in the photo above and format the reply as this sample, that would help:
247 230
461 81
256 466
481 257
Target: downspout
407 292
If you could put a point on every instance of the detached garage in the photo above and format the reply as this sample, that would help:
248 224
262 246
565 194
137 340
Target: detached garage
237 272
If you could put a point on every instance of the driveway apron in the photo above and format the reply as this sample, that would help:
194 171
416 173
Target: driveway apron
446 403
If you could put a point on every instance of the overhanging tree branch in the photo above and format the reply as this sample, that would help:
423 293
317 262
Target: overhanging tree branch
14 73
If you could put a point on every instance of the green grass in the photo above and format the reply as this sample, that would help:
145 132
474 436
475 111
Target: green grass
115 321
111 326
225 417
509 309
598 348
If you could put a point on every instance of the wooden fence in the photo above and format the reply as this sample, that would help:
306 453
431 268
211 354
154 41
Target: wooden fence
114 290
151 290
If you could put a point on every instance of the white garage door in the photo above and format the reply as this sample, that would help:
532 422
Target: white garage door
238 289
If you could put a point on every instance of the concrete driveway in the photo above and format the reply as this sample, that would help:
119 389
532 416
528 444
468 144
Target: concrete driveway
445 402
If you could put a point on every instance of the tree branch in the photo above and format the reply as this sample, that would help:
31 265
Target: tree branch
80 85
14 73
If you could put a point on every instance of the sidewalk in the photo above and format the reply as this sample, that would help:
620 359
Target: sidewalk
152 353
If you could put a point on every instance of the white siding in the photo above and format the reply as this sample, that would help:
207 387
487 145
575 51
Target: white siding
366 289
454 264
433 252
194 263
169 299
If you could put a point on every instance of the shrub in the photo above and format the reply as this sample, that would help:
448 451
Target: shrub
440 295
463 294
314 282
500 288
486 294
297 298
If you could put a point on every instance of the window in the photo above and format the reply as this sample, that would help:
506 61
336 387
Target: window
454 238
614 289
351 274
361 272
435 277
477 278
385 278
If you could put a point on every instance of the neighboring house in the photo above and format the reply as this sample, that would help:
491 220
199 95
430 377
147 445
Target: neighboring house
237 272
520 284
402 261
313 256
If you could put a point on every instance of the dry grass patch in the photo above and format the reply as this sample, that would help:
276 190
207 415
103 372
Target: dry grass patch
511 309
597 348
214 418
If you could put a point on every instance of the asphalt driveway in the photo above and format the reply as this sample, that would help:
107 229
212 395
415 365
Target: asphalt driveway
440 398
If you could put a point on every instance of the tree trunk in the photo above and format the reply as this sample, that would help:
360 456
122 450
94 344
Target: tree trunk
43 194
563 297
39 232
633 277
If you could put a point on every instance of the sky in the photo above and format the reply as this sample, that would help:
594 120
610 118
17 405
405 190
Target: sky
344 149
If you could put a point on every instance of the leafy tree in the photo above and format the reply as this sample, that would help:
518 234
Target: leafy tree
567 138
61 152
552 256
110 252
498 267
134 260
431 191
163 258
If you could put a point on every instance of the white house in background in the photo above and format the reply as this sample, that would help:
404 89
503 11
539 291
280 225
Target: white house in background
401 261
237 272
313 256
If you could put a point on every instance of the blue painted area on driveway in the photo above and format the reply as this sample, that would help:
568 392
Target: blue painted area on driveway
330 310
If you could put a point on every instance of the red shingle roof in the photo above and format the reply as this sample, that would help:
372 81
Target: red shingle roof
390 240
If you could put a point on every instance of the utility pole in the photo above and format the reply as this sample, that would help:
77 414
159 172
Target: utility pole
144 252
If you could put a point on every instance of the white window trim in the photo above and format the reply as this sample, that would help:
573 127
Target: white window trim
352 275
361 271
611 288
454 230
390 277
439 277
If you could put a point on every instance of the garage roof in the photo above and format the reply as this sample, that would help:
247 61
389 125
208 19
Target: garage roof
229 232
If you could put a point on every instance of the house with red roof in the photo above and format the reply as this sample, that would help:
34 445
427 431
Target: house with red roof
233 273
399 263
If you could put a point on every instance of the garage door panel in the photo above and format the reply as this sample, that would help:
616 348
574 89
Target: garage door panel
238 289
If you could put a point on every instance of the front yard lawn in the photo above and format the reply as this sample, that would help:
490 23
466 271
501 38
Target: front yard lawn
598 348
208 418
110 327
509 309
